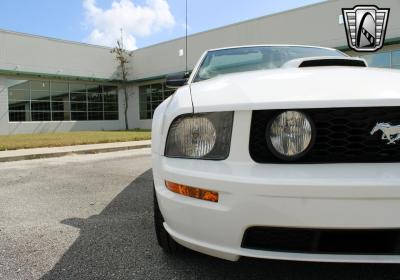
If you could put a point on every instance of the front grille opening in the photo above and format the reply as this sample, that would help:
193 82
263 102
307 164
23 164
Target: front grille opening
323 241
343 135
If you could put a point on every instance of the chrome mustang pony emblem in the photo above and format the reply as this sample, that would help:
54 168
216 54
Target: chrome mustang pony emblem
389 132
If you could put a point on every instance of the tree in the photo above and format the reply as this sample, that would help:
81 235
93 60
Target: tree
122 56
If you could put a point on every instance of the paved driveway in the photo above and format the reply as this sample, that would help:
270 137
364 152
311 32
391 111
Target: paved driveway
90 217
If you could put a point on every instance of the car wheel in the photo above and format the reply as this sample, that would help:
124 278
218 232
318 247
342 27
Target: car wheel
166 242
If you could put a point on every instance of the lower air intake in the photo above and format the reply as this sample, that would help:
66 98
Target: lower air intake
323 241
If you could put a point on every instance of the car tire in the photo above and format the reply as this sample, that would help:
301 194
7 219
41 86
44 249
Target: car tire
166 242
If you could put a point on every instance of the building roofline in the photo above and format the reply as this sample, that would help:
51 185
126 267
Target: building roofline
270 45
25 74
52 39
237 23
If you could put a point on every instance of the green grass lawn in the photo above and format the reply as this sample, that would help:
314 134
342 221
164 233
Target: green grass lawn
25 141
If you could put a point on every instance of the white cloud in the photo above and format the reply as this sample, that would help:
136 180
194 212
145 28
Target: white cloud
135 20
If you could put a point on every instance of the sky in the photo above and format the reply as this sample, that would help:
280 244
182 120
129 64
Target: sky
143 22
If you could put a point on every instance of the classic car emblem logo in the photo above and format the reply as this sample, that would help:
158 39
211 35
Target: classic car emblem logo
365 27
389 132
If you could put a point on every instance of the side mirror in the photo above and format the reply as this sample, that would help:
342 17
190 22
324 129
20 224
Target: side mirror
177 80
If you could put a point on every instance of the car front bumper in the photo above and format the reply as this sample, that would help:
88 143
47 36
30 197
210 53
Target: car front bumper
323 196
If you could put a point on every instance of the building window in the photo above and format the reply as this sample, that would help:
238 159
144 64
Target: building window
19 105
150 96
384 59
381 60
61 101
396 59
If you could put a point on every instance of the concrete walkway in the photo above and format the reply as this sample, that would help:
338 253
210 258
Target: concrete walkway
25 154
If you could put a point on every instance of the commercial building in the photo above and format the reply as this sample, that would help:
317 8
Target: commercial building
54 85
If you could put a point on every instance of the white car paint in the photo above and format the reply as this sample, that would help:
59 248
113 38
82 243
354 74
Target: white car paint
297 88
349 196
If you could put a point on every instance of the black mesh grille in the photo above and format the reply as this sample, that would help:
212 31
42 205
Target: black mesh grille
323 241
342 135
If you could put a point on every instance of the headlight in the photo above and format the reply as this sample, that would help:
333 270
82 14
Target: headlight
200 136
290 135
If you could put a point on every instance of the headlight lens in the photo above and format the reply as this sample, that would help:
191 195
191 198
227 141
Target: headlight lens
290 135
196 136
200 136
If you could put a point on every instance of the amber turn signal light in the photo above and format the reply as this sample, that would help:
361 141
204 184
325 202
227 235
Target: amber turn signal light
192 192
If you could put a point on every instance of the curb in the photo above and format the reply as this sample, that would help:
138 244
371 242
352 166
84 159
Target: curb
77 152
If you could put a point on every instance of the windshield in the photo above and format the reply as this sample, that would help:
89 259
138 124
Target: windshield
244 59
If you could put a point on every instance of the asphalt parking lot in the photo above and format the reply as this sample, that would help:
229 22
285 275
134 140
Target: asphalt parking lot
90 217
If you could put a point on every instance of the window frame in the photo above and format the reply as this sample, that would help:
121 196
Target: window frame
34 116
150 103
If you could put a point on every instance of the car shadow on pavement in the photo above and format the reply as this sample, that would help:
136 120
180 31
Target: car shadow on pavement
120 243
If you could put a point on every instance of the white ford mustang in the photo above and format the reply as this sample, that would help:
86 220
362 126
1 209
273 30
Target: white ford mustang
280 152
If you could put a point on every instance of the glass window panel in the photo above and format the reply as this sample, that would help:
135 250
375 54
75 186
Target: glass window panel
95 88
95 107
20 85
157 96
60 96
145 115
60 116
95 97
154 105
156 90
143 110
144 102
95 116
40 106
53 100
144 90
78 96
110 97
14 94
144 99
168 93
110 94
19 106
78 106
157 100
111 115
59 106
378 60
59 87
78 116
77 87
41 116
19 116
396 66
40 85
110 107
40 95
396 58
110 89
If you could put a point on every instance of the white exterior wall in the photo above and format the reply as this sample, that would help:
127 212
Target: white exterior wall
34 54
4 127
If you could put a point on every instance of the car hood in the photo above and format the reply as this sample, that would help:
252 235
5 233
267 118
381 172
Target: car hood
318 87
